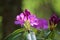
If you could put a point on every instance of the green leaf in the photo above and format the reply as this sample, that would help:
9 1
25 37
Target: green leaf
34 30
47 34
52 34
16 35
57 35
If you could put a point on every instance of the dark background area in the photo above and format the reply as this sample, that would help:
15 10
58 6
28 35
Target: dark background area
8 10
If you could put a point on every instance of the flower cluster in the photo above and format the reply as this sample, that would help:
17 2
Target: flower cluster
33 20
54 19
26 16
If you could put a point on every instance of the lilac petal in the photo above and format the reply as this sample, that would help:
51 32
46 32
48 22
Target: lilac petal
17 22
17 17
35 23
22 16
33 20
25 18
45 27
38 26
43 24
20 19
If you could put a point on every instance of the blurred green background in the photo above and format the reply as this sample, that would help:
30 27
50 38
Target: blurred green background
10 8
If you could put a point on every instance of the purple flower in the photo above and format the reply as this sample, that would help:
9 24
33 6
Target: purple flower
33 20
42 24
26 15
54 19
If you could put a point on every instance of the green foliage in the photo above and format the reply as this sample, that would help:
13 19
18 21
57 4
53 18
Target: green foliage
19 34
16 35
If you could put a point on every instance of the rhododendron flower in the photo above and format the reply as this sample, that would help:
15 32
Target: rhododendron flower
54 19
33 20
26 15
